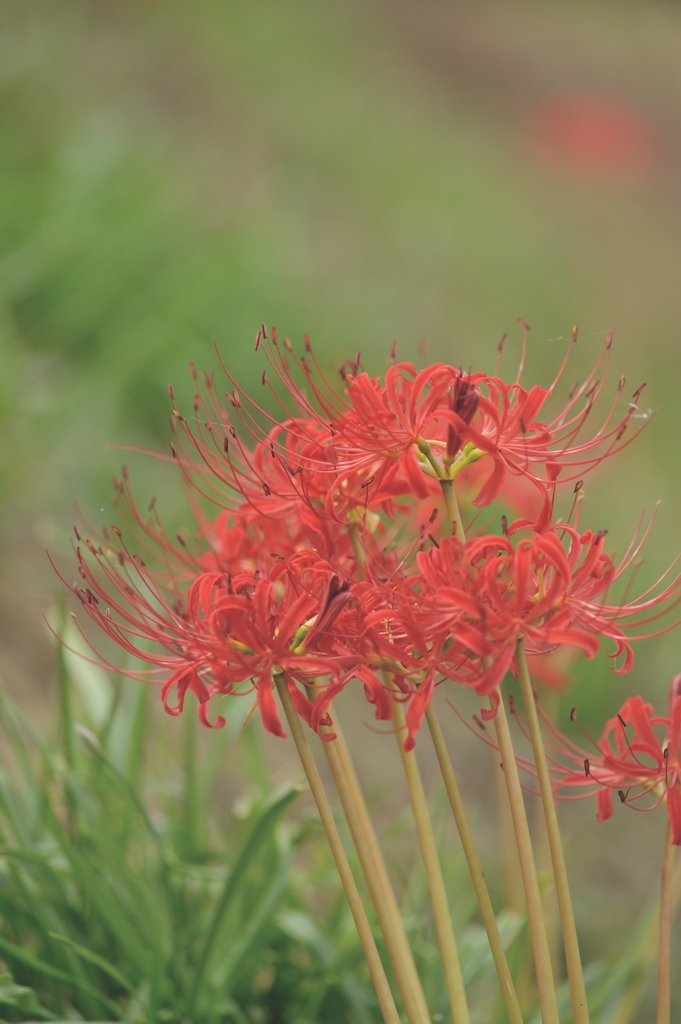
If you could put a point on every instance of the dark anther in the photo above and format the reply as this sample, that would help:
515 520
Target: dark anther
393 351
621 383
232 431
225 444
117 531
587 767
665 753
637 393
504 526
256 575
622 795
263 379
433 516
523 428
511 703
77 533
578 486
172 448
272 450
258 339
266 489
621 721
306 343
181 540
463 398
523 324
573 714
264 331
367 482
480 724
139 561
500 346
274 335
273 554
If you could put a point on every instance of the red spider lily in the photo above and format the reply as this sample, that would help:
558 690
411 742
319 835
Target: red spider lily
227 634
631 759
387 440
549 589
322 496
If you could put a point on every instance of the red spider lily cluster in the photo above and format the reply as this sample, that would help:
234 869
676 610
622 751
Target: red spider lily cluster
322 551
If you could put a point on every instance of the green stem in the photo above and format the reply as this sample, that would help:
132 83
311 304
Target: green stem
540 945
477 875
535 916
580 1010
385 996
664 954
436 885
452 506
376 876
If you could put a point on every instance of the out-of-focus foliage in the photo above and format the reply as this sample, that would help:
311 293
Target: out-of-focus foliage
127 893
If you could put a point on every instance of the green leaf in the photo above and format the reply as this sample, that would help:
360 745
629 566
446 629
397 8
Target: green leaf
24 957
261 832
94 958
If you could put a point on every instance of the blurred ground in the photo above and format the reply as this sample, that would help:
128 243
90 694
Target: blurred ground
170 173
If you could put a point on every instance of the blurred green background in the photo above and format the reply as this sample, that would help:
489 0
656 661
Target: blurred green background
172 173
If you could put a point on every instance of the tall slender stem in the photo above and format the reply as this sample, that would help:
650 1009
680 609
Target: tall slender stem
436 885
580 1010
535 916
477 875
540 945
452 506
385 996
376 877
664 954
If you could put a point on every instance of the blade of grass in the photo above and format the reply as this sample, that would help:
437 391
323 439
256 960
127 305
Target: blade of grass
23 956
98 961
261 832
